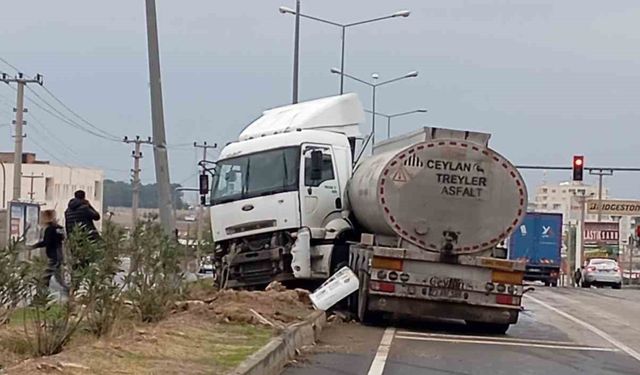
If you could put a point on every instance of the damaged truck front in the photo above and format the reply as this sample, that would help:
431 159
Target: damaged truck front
277 194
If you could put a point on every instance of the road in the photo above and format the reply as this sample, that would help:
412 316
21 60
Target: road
561 331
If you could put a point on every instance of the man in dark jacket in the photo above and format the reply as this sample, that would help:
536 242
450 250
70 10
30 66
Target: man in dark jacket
81 214
52 242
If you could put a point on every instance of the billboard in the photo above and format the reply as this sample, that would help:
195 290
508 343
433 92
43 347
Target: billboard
23 221
602 233
613 207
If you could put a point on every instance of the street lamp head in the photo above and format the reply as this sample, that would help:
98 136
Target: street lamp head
411 74
402 13
421 110
335 71
285 10
375 76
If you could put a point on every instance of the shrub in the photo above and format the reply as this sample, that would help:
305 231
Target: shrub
156 284
12 281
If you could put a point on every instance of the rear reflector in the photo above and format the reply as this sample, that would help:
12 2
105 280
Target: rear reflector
387 263
507 277
503 299
383 287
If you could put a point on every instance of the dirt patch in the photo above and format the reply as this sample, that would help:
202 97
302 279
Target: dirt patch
208 335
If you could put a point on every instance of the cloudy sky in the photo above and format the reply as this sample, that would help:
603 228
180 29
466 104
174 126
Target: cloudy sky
547 78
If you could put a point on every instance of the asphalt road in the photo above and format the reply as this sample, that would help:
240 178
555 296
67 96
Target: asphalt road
562 331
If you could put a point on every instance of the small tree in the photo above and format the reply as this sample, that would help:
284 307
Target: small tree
157 282
13 273
105 283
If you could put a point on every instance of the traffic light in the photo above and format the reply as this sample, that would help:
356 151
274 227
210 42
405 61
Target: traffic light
578 167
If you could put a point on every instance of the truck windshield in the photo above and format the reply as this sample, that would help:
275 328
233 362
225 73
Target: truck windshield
253 175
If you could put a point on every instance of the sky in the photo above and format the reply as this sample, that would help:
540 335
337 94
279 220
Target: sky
548 79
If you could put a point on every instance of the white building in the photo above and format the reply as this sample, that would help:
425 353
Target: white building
52 186
565 198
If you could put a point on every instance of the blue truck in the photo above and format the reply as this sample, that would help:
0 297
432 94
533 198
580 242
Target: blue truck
538 241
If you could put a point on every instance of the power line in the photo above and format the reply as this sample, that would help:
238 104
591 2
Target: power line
55 113
76 114
9 64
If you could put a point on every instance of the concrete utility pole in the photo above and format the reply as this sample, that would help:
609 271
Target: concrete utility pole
32 177
157 118
204 146
600 173
21 81
137 155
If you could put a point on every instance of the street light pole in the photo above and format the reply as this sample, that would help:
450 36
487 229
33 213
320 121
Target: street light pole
296 54
343 26
371 137
389 117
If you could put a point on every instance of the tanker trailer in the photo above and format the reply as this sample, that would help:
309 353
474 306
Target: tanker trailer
431 207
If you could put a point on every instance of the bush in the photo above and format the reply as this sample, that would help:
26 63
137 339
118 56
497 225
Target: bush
12 281
103 289
48 325
156 284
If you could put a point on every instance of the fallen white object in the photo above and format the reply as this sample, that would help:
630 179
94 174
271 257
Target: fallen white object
337 287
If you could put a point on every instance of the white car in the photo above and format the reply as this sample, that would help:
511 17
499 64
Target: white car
600 272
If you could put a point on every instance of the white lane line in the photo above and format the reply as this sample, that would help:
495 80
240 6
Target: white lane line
591 328
506 343
377 366
486 338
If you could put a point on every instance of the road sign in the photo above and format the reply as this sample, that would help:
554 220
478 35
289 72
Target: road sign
614 207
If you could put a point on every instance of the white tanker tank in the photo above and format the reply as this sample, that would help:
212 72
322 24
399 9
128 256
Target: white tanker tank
438 189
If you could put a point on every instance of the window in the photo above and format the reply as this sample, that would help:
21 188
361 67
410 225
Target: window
544 190
326 171
97 190
253 175
556 206
48 188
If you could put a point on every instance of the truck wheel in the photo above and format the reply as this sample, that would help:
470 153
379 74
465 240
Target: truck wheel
490 328
546 283
617 286
364 315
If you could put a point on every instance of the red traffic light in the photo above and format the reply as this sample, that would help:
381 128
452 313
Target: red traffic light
578 167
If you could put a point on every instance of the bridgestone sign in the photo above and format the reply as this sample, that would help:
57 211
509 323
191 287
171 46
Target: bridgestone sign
614 207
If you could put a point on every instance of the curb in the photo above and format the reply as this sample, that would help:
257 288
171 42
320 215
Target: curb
273 357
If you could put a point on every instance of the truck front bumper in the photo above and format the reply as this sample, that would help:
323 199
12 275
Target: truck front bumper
420 308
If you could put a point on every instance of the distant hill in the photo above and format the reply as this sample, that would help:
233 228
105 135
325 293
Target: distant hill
118 194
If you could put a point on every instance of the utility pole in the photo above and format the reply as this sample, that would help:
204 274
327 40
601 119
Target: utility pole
21 82
600 173
296 54
32 177
157 118
137 155
204 146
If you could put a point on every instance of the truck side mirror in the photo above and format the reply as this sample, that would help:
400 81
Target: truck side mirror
316 165
204 184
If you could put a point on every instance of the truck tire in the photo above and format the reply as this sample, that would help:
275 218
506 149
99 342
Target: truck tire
489 328
617 286
365 316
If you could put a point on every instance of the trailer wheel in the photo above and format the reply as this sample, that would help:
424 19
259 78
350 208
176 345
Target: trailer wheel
489 328
364 315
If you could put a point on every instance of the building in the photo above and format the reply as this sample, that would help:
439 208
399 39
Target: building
565 198
49 185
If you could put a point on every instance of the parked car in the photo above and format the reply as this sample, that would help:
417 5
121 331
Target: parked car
601 272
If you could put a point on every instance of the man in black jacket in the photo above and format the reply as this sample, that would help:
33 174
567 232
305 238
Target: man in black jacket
52 242
81 214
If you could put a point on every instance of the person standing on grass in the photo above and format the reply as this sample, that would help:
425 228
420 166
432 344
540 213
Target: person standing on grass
52 242
81 214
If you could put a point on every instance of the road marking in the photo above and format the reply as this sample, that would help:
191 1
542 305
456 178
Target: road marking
488 338
507 343
377 366
591 328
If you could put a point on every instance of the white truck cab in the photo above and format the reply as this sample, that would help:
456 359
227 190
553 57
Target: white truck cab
277 197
